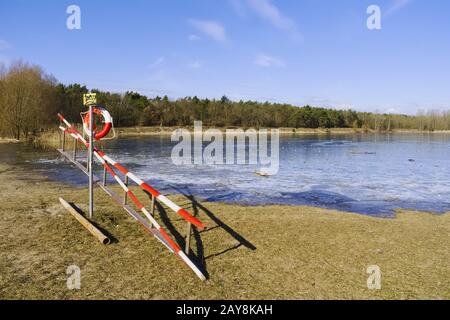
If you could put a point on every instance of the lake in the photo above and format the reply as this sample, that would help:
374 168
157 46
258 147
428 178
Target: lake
370 174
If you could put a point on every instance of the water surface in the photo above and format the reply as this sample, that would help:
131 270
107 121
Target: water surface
369 174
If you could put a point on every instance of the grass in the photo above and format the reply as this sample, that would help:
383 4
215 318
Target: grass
52 139
49 140
270 252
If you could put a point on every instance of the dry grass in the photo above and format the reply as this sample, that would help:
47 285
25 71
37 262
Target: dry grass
301 252
52 139
49 140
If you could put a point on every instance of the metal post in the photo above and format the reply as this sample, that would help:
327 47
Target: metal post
64 141
188 238
74 149
91 152
152 208
104 176
125 194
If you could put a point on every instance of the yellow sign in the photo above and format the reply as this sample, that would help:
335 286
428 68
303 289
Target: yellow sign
89 99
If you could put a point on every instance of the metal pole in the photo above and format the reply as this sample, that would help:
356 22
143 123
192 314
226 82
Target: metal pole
75 149
104 176
91 152
64 141
125 195
188 238
85 222
152 208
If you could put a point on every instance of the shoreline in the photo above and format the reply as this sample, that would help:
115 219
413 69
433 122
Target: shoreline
155 131
49 138
9 140
250 252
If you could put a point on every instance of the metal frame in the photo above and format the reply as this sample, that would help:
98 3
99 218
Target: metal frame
148 225
118 200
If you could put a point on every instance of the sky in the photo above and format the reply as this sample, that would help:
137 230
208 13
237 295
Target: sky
317 52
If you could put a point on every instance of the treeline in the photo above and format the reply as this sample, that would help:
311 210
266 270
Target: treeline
30 98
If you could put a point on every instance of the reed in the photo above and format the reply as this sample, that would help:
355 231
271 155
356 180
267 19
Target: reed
52 139
48 140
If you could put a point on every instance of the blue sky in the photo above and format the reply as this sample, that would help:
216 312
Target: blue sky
317 52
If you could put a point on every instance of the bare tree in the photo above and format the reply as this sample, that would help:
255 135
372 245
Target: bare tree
26 100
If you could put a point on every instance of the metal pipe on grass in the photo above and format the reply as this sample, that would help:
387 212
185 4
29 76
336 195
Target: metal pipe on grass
85 222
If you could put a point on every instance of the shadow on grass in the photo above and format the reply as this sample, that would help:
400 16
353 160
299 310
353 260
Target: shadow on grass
180 239
199 257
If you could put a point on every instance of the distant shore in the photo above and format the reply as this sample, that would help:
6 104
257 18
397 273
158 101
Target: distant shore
8 140
151 131
51 139
261 252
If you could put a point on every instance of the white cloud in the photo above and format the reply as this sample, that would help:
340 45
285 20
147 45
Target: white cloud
264 60
4 45
212 29
195 65
391 111
193 37
271 13
158 62
396 5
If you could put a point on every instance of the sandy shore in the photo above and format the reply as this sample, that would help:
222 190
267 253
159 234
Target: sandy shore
8 140
270 252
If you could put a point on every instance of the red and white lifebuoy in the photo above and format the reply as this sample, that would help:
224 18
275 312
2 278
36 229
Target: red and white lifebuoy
107 122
